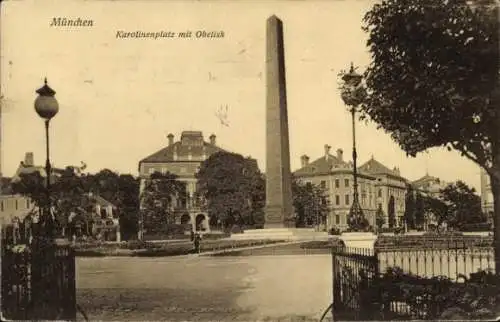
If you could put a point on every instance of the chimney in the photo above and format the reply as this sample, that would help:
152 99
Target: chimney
340 155
304 160
327 151
29 159
170 137
212 139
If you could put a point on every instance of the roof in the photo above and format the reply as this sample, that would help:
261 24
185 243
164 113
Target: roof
426 178
191 143
322 165
102 202
375 167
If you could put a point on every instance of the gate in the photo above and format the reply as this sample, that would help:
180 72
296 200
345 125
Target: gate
355 273
37 284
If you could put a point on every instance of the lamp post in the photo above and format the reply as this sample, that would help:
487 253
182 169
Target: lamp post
353 93
47 107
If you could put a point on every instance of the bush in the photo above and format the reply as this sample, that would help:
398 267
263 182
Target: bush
476 227
335 231
439 297
235 229
215 236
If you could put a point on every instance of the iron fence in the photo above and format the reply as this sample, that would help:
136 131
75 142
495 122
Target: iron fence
404 278
448 257
38 281
354 272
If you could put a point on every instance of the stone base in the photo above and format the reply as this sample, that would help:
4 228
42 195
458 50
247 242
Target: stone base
359 240
282 234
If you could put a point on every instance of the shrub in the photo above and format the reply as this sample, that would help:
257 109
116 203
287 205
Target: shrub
334 231
476 227
439 297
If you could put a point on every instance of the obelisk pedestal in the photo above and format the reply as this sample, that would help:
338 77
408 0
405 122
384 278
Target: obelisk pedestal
279 207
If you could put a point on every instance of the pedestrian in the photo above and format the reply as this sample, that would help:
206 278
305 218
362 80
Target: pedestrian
197 240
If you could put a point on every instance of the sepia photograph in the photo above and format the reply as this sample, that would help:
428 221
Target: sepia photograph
250 160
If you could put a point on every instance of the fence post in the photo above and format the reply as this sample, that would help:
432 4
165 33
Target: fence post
334 278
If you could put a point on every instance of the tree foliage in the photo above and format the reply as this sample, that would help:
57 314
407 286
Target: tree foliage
445 56
409 214
310 202
70 195
464 205
391 212
379 217
234 189
419 210
158 200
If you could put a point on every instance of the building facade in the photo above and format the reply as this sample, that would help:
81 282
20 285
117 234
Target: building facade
14 209
182 158
376 185
429 185
390 188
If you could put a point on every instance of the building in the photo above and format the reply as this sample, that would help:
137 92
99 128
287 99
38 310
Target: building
390 187
102 220
486 194
28 166
183 158
376 185
429 185
14 209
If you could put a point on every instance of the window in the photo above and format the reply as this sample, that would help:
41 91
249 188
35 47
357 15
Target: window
17 204
337 200
163 170
346 199
346 182
337 183
104 214
151 170
27 203
380 193
1 205
337 219
183 170
323 184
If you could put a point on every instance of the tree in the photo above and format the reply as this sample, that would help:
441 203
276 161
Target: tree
234 189
391 212
379 217
66 192
159 195
122 190
464 205
437 207
419 210
446 93
409 214
310 202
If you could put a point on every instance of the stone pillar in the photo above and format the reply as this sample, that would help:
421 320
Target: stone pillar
278 175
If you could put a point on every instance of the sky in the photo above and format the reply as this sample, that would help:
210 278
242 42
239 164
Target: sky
120 97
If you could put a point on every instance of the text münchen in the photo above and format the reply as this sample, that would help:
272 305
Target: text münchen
65 22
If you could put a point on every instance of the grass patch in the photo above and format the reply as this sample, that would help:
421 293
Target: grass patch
147 249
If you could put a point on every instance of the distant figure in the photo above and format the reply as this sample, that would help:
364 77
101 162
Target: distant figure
192 234
197 241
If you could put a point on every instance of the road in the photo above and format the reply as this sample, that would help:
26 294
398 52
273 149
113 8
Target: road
250 288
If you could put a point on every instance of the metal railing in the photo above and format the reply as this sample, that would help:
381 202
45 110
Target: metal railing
372 284
38 282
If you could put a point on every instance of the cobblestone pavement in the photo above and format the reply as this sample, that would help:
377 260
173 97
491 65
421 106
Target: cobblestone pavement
254 288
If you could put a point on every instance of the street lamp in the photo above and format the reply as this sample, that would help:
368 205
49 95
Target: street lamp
47 107
353 93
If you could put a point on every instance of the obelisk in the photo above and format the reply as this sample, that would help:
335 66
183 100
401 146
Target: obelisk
279 205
